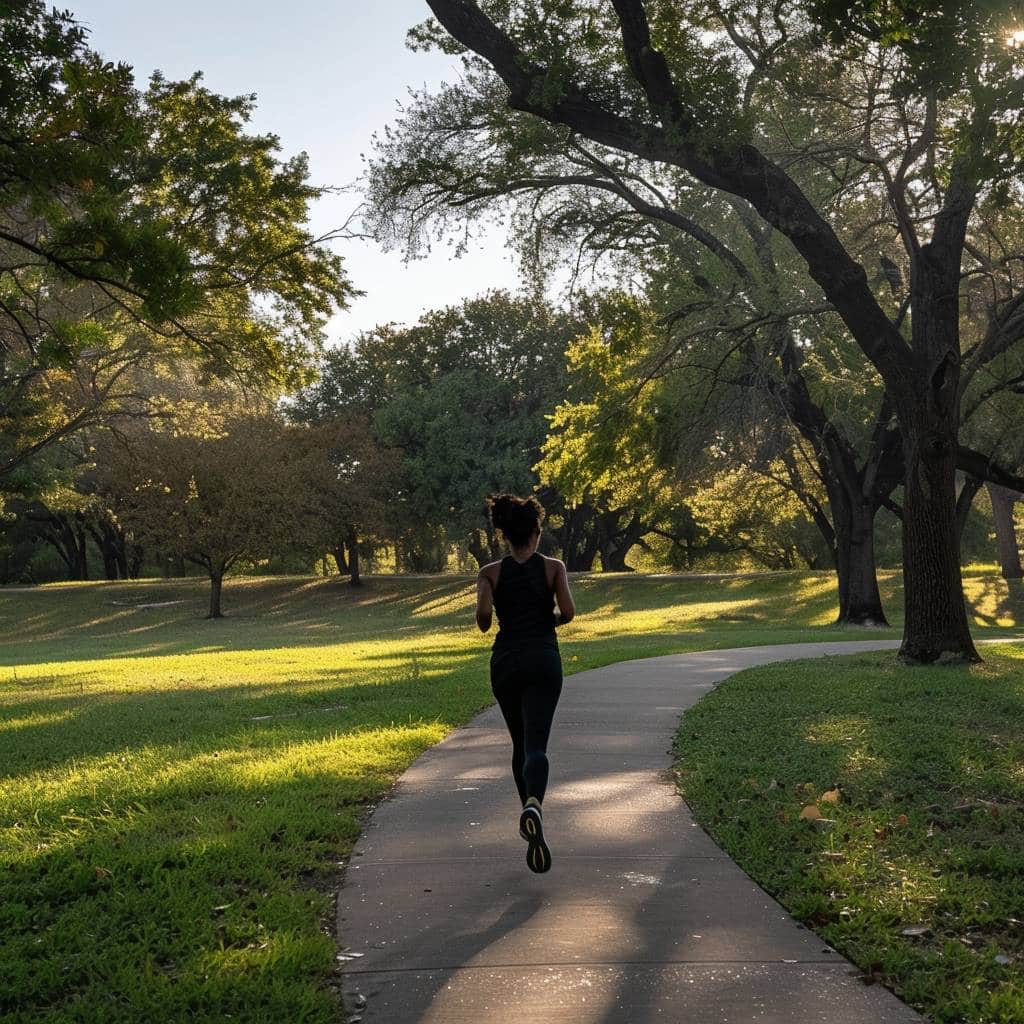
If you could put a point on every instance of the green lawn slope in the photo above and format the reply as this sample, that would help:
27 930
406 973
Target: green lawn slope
176 794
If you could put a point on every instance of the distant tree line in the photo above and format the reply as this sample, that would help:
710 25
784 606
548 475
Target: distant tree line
167 404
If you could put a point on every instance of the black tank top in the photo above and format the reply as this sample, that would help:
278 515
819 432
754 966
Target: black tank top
524 602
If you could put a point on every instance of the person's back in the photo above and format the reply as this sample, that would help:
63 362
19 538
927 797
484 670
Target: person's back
524 601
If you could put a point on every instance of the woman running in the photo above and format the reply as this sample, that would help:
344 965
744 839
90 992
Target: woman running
526 669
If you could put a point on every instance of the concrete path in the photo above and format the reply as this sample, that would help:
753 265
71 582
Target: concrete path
642 917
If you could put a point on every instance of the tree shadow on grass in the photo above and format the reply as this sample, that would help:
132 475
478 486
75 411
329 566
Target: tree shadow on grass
185 900
996 602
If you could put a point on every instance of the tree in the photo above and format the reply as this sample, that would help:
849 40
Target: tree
600 453
671 94
463 395
139 227
239 487
730 290
363 478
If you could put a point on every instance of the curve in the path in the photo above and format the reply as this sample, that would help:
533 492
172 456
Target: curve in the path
642 917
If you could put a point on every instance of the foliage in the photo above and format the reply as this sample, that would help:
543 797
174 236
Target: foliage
758 514
463 394
240 485
139 227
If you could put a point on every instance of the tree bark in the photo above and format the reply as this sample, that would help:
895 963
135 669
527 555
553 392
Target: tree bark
216 585
67 536
1003 501
352 542
340 558
860 602
475 543
936 628
618 544
964 501
581 540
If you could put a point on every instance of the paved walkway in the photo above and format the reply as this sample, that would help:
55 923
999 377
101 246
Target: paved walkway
642 917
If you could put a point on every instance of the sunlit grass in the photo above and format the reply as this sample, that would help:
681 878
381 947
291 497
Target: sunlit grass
928 830
176 793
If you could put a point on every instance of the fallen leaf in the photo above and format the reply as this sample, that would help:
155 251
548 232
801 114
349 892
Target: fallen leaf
810 812
880 833
834 855
915 931
901 820
830 796
103 872
993 811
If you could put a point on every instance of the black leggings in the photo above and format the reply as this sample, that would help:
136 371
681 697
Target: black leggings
527 682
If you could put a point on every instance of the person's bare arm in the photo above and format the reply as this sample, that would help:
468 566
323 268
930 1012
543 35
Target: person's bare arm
566 605
484 599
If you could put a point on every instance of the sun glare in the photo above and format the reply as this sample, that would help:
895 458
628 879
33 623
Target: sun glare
1016 39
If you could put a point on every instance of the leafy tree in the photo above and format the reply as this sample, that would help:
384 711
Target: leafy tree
732 293
463 395
674 88
363 481
134 227
600 452
238 487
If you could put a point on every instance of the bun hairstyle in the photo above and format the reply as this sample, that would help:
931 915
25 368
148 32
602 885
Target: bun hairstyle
517 518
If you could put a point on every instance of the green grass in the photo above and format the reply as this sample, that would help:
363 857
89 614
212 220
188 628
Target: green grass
176 794
929 826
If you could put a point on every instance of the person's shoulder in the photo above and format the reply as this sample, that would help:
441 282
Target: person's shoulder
553 565
490 571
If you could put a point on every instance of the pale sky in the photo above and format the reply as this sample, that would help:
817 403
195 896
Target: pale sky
326 77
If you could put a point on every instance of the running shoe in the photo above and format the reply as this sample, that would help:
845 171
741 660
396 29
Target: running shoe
531 828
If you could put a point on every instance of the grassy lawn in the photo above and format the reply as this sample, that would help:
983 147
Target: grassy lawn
920 880
176 794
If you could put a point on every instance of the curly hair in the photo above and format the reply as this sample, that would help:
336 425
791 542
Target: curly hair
517 518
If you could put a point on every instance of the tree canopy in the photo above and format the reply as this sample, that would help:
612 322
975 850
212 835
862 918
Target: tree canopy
139 226
705 90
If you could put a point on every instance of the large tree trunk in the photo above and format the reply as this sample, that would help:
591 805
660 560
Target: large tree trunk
616 546
1003 501
853 494
216 585
860 603
927 400
936 627
352 542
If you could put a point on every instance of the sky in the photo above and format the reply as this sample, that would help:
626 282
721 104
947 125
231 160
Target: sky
326 77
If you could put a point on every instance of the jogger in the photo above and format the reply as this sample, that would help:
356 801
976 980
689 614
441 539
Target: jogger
526 668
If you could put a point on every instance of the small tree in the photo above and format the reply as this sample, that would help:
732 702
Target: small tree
245 487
